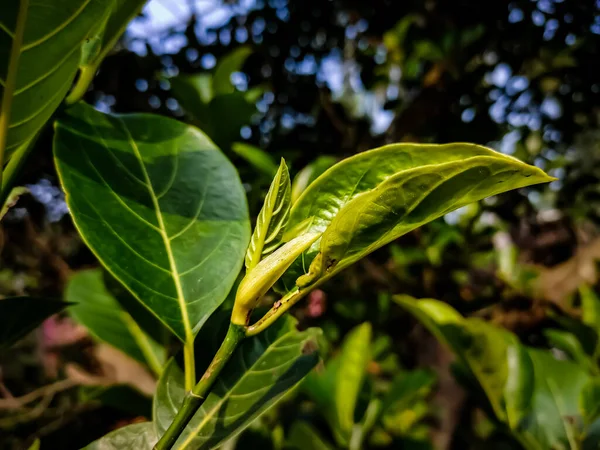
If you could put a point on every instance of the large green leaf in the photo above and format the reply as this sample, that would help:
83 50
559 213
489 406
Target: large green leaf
96 309
336 389
374 197
20 315
259 373
272 219
48 58
159 205
535 394
139 436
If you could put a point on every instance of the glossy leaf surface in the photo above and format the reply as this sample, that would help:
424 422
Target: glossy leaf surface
96 309
20 315
259 373
375 197
530 390
49 57
337 388
159 205
272 219
139 436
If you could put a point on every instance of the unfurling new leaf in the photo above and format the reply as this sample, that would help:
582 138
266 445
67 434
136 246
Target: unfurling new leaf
272 219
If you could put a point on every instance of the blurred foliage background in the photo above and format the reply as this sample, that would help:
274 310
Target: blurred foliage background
314 81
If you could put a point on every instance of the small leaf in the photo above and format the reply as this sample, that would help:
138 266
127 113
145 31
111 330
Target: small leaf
309 174
372 198
96 309
258 375
272 219
226 66
590 308
336 390
159 205
35 445
590 401
257 157
20 315
303 436
48 59
139 436
11 200
259 280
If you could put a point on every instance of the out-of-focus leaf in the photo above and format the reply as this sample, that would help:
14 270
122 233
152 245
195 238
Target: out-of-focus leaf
259 373
96 309
272 219
535 394
407 388
590 401
226 66
370 199
309 174
11 200
20 315
118 396
337 388
139 436
590 307
568 343
161 207
257 157
303 436
35 445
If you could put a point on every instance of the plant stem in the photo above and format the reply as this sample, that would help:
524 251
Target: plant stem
11 79
195 398
277 310
189 363
86 75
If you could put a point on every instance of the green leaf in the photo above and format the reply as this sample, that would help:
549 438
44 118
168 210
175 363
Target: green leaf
20 315
272 219
159 205
35 445
257 157
536 395
590 308
259 373
11 200
48 59
589 401
407 388
370 199
122 397
303 436
310 173
226 66
337 388
568 343
139 436
96 309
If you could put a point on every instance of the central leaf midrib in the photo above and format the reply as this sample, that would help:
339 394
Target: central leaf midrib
163 233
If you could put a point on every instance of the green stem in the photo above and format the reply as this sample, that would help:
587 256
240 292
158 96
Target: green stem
189 364
86 75
11 79
194 399
277 310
